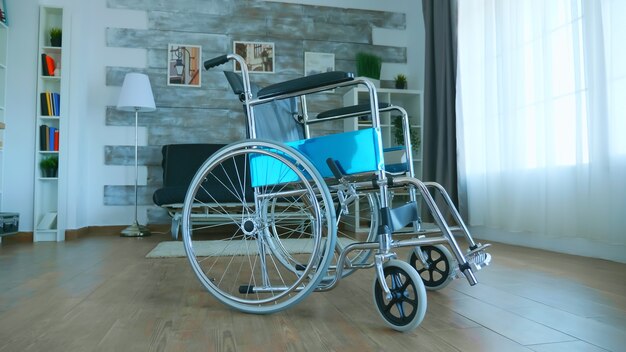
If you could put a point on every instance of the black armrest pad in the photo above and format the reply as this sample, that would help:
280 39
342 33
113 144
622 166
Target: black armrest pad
349 110
304 83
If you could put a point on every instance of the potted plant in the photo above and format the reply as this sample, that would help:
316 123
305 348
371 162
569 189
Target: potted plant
49 166
398 132
368 65
55 36
400 80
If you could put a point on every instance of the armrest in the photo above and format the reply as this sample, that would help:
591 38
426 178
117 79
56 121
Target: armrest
305 83
353 110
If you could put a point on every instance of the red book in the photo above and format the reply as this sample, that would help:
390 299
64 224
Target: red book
50 65
56 140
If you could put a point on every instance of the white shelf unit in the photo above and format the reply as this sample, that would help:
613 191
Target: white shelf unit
412 102
50 190
4 52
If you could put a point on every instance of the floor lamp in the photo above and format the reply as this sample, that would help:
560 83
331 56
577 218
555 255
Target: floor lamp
136 95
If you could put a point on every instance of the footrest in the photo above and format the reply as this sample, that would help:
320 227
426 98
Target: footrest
478 258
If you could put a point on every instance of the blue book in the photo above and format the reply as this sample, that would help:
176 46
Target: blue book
56 99
51 138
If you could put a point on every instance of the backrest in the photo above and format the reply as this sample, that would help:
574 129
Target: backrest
274 120
181 161
180 164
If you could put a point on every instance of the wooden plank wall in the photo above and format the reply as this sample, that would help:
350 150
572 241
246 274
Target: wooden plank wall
211 113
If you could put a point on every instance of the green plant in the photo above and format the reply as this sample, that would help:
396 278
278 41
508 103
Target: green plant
400 81
55 36
55 32
49 165
398 133
368 65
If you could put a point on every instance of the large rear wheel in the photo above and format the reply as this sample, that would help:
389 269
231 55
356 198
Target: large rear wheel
258 226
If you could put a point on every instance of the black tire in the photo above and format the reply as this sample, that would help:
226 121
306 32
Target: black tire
436 274
406 308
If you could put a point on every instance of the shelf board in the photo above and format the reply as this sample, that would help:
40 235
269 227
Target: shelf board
51 48
49 117
48 178
50 78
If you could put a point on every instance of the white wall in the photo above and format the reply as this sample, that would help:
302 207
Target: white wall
90 96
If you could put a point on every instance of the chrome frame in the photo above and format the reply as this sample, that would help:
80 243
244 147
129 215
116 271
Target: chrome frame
385 243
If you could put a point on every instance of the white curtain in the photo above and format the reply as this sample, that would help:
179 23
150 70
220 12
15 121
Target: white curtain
541 109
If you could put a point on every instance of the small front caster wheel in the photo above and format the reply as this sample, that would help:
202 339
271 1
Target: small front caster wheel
406 307
436 273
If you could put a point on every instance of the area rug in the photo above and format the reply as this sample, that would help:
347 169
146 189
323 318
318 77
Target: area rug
173 249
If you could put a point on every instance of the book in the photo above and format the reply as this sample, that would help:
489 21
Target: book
44 65
51 134
56 100
49 104
47 136
56 140
44 104
55 112
43 132
50 64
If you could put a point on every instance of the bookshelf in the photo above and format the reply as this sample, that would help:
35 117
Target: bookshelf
52 123
4 42
412 102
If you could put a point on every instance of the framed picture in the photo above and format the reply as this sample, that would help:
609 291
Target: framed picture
259 56
183 65
318 63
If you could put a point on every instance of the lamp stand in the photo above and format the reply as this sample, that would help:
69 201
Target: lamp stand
136 230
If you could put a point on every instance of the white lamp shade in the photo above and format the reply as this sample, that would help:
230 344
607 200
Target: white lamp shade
136 94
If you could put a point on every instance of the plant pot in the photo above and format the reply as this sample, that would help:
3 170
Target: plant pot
49 173
55 41
400 85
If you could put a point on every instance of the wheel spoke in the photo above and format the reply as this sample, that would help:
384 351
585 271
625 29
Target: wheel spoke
255 270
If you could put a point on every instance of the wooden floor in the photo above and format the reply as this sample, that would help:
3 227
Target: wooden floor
99 293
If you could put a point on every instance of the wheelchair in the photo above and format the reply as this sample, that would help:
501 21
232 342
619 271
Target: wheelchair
270 219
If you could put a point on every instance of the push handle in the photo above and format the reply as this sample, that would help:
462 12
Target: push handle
216 61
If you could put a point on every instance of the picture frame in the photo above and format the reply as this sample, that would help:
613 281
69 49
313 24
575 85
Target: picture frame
259 56
315 62
183 65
